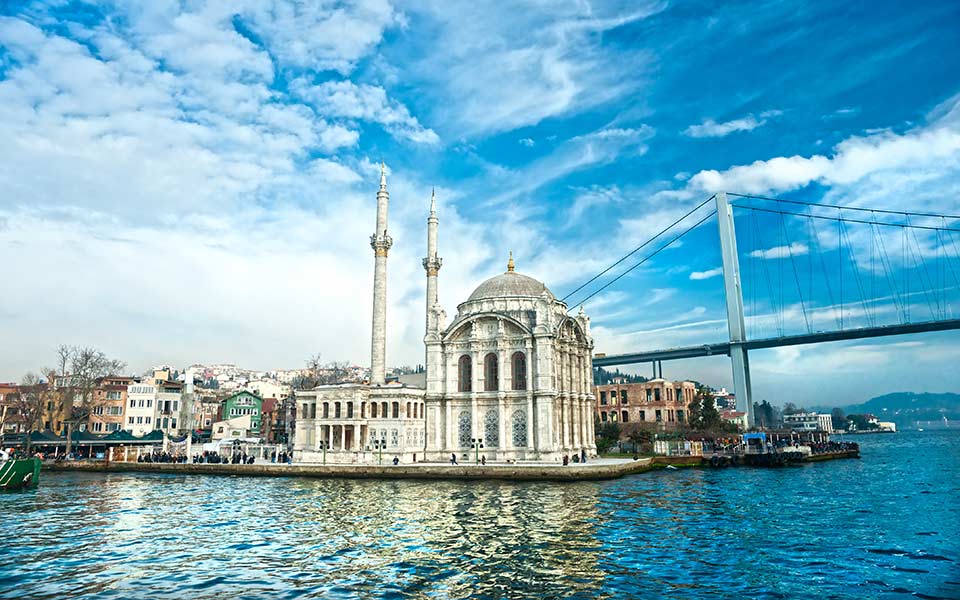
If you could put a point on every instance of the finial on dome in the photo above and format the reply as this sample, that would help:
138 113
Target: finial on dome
433 201
510 264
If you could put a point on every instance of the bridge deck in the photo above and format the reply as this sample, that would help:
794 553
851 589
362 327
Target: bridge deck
723 348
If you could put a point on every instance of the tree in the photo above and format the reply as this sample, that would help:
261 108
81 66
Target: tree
87 368
791 409
838 418
702 411
641 438
608 434
31 398
764 414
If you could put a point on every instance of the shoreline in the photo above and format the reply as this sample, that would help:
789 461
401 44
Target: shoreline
604 469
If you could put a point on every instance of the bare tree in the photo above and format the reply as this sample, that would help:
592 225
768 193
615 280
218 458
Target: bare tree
321 373
335 372
31 398
88 366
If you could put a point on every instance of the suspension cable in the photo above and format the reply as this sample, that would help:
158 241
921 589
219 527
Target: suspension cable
648 257
637 249
871 210
847 219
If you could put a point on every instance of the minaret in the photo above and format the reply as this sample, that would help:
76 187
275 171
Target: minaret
381 243
432 262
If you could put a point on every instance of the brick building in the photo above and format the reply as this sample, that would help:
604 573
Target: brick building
109 403
656 403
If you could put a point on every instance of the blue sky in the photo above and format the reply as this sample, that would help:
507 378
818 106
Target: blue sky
194 181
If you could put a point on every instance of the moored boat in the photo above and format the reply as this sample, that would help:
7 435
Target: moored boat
17 474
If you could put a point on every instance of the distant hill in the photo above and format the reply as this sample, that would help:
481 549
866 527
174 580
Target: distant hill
905 408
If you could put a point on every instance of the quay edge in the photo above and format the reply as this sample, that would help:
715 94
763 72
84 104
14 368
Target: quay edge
433 472
589 472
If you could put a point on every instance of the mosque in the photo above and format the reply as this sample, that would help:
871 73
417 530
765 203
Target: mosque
509 379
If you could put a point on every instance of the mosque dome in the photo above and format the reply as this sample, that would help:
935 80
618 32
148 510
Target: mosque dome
510 284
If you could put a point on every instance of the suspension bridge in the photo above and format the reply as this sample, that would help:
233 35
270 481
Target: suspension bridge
815 272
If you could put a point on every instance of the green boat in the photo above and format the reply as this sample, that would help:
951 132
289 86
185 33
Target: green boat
18 474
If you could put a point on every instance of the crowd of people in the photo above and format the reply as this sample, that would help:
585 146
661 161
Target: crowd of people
162 457
824 447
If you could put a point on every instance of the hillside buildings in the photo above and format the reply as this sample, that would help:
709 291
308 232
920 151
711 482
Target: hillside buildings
509 378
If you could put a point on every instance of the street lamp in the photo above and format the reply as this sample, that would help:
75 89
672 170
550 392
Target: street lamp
477 444
379 445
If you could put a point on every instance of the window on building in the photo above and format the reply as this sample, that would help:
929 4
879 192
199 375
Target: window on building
656 395
373 410
133 403
603 417
519 365
623 397
384 411
349 410
603 398
336 410
643 415
464 374
130 421
659 416
680 416
649 395
396 410
173 423
409 413
624 416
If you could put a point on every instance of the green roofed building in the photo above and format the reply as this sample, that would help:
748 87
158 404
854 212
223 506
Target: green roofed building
244 403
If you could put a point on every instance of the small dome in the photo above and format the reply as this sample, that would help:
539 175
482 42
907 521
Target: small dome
509 284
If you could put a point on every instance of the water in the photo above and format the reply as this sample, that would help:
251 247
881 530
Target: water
885 526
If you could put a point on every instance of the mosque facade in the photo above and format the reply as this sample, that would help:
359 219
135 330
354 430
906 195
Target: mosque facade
508 379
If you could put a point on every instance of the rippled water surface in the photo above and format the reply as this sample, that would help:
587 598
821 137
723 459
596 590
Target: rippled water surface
885 526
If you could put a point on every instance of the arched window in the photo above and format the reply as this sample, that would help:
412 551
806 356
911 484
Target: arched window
373 410
519 428
396 410
465 374
519 371
490 380
383 411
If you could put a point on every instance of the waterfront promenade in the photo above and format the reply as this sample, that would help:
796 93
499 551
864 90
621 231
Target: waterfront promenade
597 469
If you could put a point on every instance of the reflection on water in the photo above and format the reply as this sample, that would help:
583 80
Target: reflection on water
882 526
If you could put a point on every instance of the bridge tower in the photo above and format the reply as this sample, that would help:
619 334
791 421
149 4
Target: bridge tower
734 296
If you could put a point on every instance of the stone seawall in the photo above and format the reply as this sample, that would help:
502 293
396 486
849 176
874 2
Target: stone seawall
590 471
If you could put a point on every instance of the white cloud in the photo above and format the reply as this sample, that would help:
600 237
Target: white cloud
321 35
777 252
345 99
700 275
595 148
496 67
855 160
528 142
710 128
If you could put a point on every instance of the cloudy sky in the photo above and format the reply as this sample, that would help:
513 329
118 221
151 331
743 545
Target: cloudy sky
195 181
